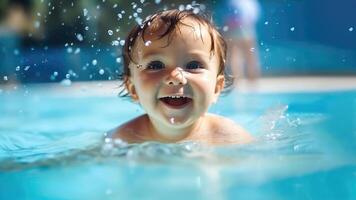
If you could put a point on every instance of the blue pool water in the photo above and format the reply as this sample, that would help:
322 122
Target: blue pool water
52 146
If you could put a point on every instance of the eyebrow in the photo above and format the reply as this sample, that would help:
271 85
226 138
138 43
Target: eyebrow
152 53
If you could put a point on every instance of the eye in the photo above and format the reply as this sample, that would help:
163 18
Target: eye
194 65
155 65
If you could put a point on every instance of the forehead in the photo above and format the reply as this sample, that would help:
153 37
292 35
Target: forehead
187 33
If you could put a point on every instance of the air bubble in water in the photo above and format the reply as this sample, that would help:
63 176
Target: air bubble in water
118 60
139 10
101 71
86 28
171 120
5 78
122 42
18 68
55 73
351 29
110 32
79 37
115 5
94 62
292 28
157 1
266 22
142 1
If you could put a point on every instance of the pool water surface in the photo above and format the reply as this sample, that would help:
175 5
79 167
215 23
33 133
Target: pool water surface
53 146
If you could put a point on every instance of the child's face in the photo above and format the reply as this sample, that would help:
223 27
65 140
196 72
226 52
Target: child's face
185 69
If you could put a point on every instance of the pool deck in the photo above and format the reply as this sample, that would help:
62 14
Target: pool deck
262 85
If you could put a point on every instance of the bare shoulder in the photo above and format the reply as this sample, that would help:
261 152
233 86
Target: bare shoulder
227 131
131 131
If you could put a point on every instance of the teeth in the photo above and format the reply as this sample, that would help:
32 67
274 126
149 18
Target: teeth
176 97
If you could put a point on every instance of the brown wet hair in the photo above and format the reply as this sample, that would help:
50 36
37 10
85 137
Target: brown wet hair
171 19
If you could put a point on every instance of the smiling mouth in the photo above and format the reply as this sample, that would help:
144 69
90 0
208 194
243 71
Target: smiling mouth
176 101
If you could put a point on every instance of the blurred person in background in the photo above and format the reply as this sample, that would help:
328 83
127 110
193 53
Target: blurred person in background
15 24
240 29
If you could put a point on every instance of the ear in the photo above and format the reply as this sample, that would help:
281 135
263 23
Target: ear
130 87
219 87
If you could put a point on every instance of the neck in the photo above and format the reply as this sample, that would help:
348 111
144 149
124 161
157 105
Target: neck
162 133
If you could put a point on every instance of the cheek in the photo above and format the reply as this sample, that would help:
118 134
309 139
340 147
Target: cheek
145 83
206 82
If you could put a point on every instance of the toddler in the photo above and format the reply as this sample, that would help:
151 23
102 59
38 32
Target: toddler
174 67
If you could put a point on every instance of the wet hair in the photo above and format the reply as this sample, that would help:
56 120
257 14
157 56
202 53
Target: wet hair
170 20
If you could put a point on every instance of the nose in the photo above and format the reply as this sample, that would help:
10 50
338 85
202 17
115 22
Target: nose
176 77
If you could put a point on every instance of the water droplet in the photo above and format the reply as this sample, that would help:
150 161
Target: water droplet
196 10
16 52
79 37
142 1
138 20
69 50
77 50
181 7
85 12
225 28
101 71
115 43
122 42
66 82
266 22
252 49
115 5
27 67
37 24
351 29
94 62
118 60
292 28
110 32
171 120
139 10
148 43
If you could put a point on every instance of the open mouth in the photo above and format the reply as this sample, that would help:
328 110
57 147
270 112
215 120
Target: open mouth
176 101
